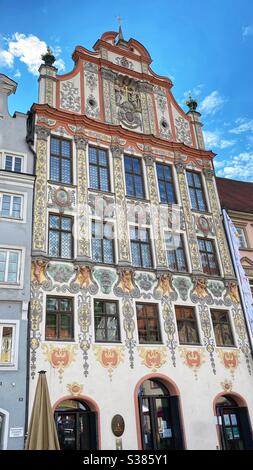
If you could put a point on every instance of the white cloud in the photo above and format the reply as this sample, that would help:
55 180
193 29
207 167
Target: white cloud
6 59
239 167
17 74
28 49
247 30
214 140
212 103
196 91
244 125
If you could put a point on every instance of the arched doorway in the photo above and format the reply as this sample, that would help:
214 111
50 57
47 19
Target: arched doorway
76 425
159 417
234 425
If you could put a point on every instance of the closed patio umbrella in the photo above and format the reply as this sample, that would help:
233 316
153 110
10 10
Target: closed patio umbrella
42 434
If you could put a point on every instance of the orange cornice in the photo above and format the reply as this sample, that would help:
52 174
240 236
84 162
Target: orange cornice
83 54
82 120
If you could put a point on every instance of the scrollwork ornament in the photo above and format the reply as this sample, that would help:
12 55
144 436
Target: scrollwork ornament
42 133
129 328
169 327
84 321
81 142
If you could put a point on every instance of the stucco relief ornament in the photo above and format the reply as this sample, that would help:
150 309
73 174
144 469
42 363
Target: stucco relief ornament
126 285
92 106
59 357
110 358
36 313
216 288
84 280
70 97
84 322
61 198
124 62
164 287
153 358
60 272
129 328
227 386
105 278
183 131
128 101
193 358
169 327
75 389
232 292
145 281
203 225
229 359
182 285
200 290
92 80
39 271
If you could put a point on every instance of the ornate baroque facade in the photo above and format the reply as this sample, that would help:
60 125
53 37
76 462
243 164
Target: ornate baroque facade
114 103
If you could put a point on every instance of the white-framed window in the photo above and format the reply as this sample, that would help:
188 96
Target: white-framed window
242 237
13 163
7 344
9 266
11 205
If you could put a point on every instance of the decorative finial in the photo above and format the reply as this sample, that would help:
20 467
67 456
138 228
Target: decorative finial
120 34
48 58
191 103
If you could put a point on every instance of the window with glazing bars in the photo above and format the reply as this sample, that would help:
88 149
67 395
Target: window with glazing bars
222 328
187 325
106 317
196 190
13 163
9 266
141 247
148 323
60 160
165 183
208 256
11 206
7 332
102 242
60 243
99 169
175 252
59 318
134 177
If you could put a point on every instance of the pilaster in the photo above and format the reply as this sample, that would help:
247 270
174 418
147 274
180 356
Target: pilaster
155 212
40 195
220 234
83 242
191 234
121 206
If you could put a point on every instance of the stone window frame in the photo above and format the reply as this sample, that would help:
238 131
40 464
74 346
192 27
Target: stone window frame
15 344
20 279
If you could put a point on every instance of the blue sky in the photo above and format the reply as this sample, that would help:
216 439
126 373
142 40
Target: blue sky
204 46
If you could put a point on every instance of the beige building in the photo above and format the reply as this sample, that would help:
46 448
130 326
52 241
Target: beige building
237 198
135 313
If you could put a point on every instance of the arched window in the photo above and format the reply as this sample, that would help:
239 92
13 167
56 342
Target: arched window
76 425
159 414
234 424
